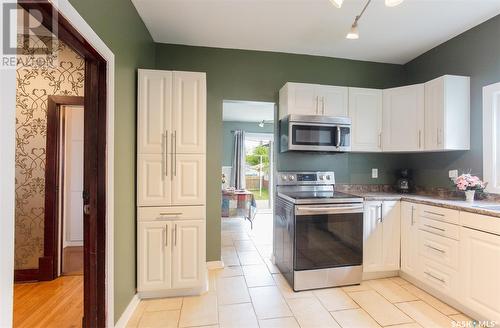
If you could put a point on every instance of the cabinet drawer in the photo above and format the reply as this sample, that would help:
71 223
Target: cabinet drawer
441 249
439 228
170 213
439 213
480 222
440 277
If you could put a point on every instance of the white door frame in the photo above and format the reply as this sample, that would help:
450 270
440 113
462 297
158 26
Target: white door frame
7 168
491 96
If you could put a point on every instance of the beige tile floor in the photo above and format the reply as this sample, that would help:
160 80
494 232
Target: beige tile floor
250 292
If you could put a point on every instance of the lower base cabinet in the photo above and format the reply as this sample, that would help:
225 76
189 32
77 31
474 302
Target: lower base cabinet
170 255
480 272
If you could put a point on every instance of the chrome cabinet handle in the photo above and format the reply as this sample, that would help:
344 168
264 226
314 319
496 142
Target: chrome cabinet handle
419 138
170 213
429 226
435 248
412 215
175 235
434 277
166 153
323 105
380 140
317 105
381 218
175 153
434 213
172 141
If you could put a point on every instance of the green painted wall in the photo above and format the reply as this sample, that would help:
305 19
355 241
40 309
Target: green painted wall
258 76
228 139
120 27
475 53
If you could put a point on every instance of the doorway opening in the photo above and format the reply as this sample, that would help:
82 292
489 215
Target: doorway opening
247 184
61 134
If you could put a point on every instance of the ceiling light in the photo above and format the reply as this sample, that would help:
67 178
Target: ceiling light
354 32
393 3
337 3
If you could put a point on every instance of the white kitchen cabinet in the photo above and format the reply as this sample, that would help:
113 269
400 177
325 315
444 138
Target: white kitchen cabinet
403 119
154 255
154 180
409 239
480 272
381 244
188 185
154 115
313 99
447 113
188 248
189 112
365 111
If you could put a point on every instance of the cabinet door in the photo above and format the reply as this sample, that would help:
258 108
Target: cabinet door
154 111
188 185
189 112
153 256
391 224
434 114
479 272
409 239
302 99
373 237
403 118
188 253
365 111
334 101
154 176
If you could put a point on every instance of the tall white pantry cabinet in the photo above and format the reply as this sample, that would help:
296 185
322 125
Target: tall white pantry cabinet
171 175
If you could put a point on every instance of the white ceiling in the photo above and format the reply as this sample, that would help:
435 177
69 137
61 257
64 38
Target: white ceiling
315 27
247 111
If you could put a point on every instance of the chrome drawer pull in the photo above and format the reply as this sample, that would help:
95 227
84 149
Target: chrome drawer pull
434 213
433 276
435 248
429 226
170 214
166 235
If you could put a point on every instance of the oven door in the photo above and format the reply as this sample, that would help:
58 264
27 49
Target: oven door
328 236
318 137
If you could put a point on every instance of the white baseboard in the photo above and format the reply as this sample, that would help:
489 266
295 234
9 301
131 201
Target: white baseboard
214 265
129 311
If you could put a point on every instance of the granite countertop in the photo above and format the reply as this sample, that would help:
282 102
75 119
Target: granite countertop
454 204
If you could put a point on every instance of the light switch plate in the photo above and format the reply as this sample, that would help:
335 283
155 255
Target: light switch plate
374 173
453 174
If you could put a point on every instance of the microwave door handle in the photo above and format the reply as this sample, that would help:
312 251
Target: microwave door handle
338 137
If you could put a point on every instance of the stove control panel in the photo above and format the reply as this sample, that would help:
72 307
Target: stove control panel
306 178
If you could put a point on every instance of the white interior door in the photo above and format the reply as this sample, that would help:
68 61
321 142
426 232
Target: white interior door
73 177
154 111
189 112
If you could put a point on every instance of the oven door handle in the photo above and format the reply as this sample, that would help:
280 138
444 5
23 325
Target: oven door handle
307 210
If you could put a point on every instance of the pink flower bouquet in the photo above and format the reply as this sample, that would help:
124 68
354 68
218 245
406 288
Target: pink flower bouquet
469 182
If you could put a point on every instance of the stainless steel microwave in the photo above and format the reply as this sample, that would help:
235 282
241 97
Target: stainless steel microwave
315 133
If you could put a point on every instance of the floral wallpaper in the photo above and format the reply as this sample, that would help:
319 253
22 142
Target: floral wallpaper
56 72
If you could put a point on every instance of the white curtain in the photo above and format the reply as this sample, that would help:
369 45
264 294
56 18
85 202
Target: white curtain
238 171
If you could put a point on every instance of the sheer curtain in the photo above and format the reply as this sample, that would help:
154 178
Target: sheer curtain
238 171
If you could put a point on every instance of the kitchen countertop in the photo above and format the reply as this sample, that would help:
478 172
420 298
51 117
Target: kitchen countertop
454 204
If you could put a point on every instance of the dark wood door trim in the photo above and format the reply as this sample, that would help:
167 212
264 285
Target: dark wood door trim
48 264
95 129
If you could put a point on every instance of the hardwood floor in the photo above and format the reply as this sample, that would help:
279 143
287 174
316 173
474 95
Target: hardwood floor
57 303
72 260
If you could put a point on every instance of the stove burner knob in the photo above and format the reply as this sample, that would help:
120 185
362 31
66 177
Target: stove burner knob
327 177
321 177
284 177
291 178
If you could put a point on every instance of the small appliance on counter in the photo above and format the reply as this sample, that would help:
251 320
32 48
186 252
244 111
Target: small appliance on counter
404 184
318 232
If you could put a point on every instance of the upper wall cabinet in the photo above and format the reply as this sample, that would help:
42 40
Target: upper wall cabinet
403 119
447 113
313 99
365 111
172 115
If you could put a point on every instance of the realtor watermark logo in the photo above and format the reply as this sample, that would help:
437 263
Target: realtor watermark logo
23 32
474 324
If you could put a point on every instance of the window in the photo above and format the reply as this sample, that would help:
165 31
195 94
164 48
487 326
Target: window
491 137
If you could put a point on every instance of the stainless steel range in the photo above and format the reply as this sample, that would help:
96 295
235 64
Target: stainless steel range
318 232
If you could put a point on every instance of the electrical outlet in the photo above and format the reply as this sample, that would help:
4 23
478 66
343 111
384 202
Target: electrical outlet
374 173
453 174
